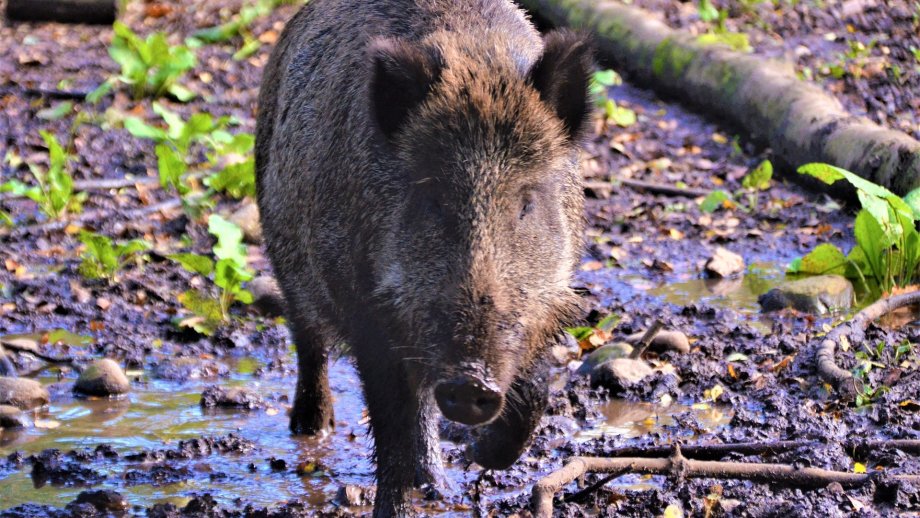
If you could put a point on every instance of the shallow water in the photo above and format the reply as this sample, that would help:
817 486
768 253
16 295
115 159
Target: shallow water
158 414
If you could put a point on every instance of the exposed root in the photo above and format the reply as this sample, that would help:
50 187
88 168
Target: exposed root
854 332
679 467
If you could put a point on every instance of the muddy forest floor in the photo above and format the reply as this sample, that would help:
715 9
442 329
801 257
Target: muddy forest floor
166 456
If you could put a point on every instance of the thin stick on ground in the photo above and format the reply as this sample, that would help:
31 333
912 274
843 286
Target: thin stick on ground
854 332
679 467
653 188
646 339
99 215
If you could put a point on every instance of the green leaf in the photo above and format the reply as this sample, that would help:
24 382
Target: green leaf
248 49
237 180
171 168
714 201
824 259
101 91
194 263
58 112
623 117
912 199
759 179
872 240
707 11
230 276
181 93
229 240
141 129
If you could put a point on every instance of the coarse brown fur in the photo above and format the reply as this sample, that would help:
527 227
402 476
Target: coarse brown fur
421 201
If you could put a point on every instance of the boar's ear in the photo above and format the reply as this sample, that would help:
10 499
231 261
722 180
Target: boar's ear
561 76
403 75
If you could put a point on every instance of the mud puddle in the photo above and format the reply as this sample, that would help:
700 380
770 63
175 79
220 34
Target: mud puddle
159 414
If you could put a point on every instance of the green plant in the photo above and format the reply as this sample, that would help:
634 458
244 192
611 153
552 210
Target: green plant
601 80
707 11
103 258
758 179
592 337
238 25
229 273
54 190
887 250
151 66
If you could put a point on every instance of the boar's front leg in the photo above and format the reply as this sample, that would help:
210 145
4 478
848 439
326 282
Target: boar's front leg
498 444
312 412
402 425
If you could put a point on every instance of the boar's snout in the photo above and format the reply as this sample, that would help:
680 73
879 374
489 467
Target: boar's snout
468 400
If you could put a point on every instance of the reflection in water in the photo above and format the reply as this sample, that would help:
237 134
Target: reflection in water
631 420
158 414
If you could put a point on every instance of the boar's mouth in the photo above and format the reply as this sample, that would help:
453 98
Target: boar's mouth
469 398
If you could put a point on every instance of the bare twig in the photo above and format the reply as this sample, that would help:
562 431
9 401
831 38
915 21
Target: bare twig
713 451
854 332
14 346
654 188
98 215
646 339
865 448
679 467
101 184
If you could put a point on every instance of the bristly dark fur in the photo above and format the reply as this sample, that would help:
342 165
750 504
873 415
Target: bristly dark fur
417 170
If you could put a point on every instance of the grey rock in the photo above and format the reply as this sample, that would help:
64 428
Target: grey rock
181 369
247 218
818 295
235 397
605 353
665 340
620 373
23 393
355 496
102 378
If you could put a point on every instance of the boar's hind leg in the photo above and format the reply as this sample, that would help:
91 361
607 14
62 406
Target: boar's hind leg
312 412
500 443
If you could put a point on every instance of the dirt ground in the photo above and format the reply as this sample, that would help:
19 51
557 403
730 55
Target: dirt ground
159 454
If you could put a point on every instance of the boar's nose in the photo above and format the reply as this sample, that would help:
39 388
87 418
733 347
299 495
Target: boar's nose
468 400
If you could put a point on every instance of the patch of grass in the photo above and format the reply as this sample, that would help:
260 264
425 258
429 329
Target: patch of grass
53 189
103 258
151 66
229 272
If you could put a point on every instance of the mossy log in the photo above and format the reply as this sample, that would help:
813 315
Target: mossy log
762 97
102 12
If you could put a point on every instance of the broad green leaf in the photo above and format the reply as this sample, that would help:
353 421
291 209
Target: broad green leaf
194 263
759 179
237 180
230 276
872 240
141 129
171 168
623 117
714 201
229 240
824 259
912 199
57 112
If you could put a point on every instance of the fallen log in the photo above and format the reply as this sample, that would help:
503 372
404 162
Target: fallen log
797 119
99 12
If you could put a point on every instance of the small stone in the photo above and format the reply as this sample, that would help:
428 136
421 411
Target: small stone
23 393
605 353
819 294
12 417
247 218
234 397
104 500
620 373
355 496
724 263
102 378
182 369
561 354
669 340
266 296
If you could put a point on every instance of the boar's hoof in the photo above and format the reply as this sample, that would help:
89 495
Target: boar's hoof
468 400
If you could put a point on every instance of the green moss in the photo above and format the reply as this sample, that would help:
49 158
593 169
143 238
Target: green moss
671 58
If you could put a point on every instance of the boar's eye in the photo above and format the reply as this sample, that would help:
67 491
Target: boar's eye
526 206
